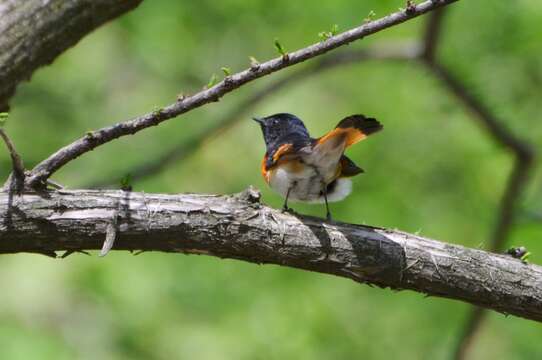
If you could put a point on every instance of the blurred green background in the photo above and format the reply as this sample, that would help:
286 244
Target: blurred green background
432 170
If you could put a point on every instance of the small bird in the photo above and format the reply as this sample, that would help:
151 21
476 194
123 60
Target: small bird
301 168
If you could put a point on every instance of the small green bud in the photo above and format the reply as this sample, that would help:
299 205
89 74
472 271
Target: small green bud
254 64
156 111
279 47
369 17
212 81
410 7
126 182
226 71
324 35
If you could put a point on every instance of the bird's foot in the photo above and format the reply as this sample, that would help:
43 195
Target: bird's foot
286 209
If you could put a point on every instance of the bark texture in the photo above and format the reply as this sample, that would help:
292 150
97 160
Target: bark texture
35 32
240 227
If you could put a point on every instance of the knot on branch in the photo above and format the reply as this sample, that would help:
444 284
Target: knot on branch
251 195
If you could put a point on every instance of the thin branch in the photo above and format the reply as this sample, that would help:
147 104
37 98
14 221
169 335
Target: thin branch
16 179
35 32
87 143
240 227
390 52
432 35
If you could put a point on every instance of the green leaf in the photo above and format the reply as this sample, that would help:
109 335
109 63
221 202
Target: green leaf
279 47
212 81
126 182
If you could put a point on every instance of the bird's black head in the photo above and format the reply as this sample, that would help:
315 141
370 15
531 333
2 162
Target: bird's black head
282 127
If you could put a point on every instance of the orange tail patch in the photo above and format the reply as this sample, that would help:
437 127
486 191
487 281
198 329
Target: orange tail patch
351 130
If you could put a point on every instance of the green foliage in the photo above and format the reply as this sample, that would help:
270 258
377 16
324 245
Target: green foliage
432 169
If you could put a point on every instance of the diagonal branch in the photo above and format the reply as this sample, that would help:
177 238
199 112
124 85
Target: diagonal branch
239 227
46 168
35 32
390 52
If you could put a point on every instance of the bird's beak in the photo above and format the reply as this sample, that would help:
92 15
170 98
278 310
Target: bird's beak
258 120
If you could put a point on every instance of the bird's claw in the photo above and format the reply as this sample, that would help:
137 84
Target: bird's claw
286 209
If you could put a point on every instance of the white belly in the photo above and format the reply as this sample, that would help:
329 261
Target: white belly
307 184
303 185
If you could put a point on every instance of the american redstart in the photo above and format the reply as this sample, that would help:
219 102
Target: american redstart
301 168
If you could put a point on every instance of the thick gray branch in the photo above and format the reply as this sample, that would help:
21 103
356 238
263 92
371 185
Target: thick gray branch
34 32
47 167
239 227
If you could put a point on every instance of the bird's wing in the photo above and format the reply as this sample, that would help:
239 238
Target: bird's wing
327 151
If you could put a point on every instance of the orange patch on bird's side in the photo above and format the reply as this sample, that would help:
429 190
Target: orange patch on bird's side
350 136
292 165
265 173
282 150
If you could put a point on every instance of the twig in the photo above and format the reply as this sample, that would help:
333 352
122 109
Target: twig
46 168
16 180
70 252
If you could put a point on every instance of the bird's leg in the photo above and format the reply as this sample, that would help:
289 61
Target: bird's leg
285 206
328 213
